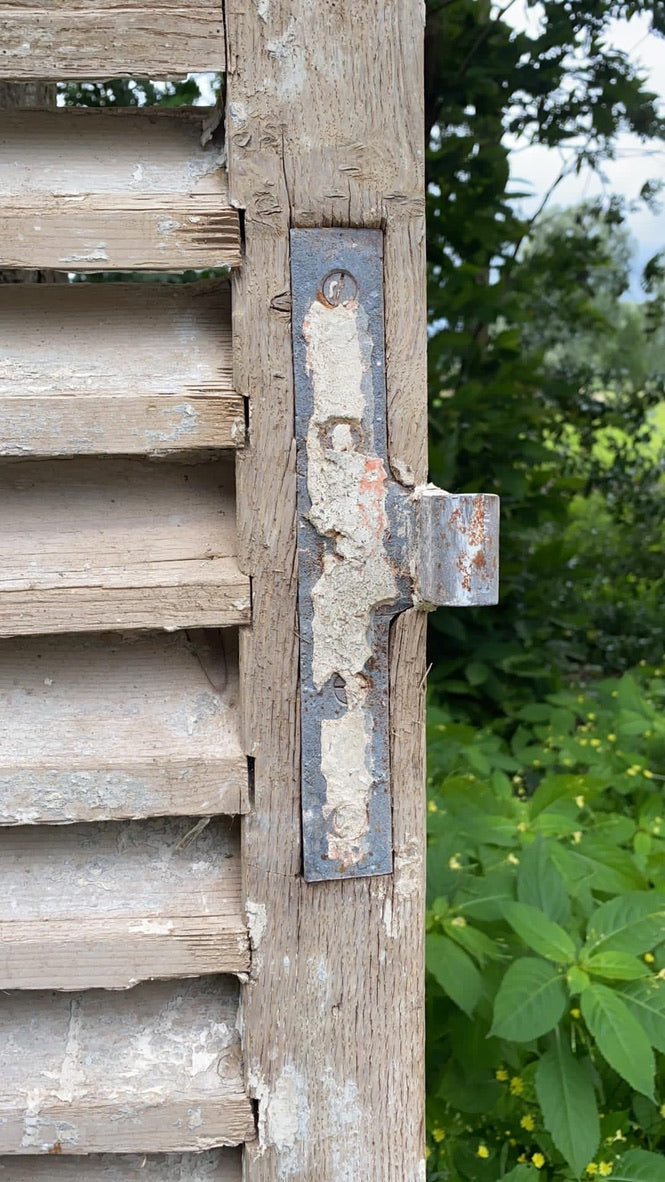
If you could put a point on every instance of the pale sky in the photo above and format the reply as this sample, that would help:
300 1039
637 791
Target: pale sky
534 169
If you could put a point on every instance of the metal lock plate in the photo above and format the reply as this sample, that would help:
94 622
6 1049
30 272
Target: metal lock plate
368 548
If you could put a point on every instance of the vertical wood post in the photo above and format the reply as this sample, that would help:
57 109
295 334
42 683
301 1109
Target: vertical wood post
325 128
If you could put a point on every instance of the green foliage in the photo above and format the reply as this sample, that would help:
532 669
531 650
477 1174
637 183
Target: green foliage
546 882
543 383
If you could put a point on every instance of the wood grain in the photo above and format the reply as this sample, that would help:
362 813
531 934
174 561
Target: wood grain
153 1069
121 544
325 128
124 367
94 39
104 727
86 189
107 906
217 1165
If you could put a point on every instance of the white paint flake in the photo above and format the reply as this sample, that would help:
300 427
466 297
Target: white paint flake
347 488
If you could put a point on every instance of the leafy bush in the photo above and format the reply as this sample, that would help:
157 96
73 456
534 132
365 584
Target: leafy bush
546 939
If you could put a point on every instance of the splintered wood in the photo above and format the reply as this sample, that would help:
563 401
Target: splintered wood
110 905
108 727
123 367
123 544
161 205
94 39
151 1069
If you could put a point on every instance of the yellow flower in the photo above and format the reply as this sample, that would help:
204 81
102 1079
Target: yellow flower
592 1169
612 738
579 801
454 863
438 1134
432 806
583 742
648 775
527 1122
591 717
577 836
483 1151
594 742
605 1169
576 1013
522 1157
538 1160
632 771
517 1085
501 1074
514 861
649 957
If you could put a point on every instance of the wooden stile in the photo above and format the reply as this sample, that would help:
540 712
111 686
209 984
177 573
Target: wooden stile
107 727
126 368
325 128
114 904
123 544
94 39
223 1165
150 1069
114 189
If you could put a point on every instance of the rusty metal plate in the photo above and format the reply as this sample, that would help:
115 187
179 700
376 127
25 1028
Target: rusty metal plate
367 549
349 581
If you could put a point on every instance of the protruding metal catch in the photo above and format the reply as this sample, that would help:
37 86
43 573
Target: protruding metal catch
368 548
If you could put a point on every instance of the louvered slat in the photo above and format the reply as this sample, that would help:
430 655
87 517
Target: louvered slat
104 727
153 1069
107 906
97 39
114 189
87 546
123 367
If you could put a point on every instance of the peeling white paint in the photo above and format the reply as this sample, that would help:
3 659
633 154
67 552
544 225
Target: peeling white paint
284 1119
347 486
257 919
290 55
262 10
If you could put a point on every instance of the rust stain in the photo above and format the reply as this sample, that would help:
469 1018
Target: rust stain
56 1148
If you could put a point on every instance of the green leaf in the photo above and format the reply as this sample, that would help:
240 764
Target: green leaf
639 1166
539 883
620 1038
615 966
480 946
633 922
539 932
530 1000
521 1173
455 972
646 1000
566 1097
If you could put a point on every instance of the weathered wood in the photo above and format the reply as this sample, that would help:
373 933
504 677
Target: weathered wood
107 189
110 727
221 1165
107 906
124 544
123 367
93 39
154 1069
325 128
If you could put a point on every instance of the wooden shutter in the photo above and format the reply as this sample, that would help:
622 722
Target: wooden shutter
176 1001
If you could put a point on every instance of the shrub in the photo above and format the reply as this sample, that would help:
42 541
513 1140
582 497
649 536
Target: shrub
546 939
